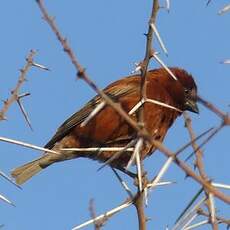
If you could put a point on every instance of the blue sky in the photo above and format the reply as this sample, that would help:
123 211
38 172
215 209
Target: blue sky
108 39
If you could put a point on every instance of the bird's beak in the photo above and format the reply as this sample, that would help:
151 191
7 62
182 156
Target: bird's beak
191 106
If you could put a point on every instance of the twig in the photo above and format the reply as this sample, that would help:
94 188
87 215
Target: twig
190 142
212 107
212 210
139 204
199 153
187 212
191 173
106 215
21 80
213 133
200 166
81 73
97 224
219 219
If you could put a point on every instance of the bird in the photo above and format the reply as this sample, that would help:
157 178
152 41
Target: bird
108 129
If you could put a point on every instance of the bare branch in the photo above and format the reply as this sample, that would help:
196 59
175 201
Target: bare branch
81 73
97 224
21 80
106 215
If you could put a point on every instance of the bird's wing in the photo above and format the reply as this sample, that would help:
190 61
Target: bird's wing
114 92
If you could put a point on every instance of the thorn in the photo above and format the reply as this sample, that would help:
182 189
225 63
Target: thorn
40 66
224 9
23 95
163 65
24 114
94 112
167 5
2 174
138 68
162 45
227 61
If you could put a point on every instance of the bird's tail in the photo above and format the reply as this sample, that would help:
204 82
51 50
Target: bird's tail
26 171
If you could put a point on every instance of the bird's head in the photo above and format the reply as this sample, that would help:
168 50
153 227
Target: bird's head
190 89
183 90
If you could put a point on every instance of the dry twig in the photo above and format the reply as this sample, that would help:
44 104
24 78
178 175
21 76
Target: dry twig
15 92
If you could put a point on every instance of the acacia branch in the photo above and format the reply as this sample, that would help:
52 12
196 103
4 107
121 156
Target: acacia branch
224 116
15 92
200 165
81 73
139 202
191 173
97 224
219 219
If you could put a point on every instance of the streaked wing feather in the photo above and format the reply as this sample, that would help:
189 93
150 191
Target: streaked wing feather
82 114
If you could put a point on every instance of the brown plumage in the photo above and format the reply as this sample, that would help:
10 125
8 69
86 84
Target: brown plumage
109 129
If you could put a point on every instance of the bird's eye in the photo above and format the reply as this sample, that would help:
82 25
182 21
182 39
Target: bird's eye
186 91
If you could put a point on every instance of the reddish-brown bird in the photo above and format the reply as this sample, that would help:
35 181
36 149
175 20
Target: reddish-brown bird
108 129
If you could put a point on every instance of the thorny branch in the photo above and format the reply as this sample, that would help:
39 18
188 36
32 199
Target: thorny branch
117 107
97 224
139 202
200 165
219 219
15 92
81 73
16 97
